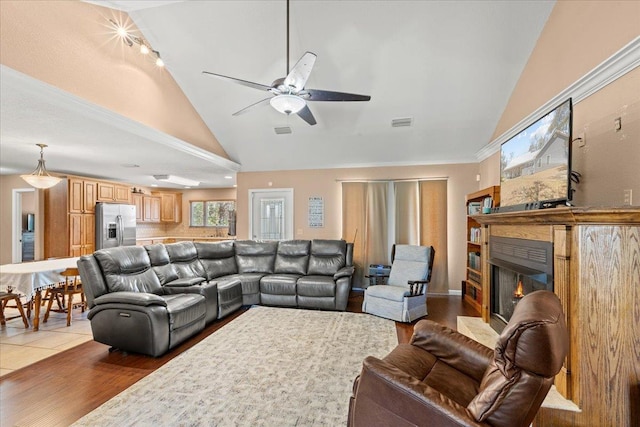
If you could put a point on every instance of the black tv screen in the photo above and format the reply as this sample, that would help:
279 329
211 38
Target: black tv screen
535 164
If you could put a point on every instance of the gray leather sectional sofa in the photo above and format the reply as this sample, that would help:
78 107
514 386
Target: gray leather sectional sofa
150 299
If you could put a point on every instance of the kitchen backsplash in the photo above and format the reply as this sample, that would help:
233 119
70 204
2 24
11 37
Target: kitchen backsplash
178 230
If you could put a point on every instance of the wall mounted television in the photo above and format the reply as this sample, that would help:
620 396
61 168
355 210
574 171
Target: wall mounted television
535 164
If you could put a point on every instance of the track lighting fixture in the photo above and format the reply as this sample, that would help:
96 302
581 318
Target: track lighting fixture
130 39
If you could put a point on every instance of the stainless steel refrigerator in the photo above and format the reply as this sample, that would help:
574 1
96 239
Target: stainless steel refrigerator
115 225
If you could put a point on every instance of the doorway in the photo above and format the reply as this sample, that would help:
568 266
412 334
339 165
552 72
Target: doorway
271 214
23 215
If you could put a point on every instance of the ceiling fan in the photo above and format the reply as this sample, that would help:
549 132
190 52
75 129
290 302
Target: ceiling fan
289 95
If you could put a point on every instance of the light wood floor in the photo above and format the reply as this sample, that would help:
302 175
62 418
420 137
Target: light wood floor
64 387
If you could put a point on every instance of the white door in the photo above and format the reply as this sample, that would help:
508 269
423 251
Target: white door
271 214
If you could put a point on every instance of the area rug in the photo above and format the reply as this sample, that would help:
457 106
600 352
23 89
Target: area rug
268 367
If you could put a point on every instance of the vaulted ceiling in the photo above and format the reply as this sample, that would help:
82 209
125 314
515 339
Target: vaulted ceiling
450 66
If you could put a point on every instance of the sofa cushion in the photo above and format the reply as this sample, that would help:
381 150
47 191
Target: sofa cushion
292 257
184 258
255 257
316 286
388 292
218 259
161 263
250 281
279 284
128 268
327 257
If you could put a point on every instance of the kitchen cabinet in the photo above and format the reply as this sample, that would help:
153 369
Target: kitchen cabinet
82 195
150 209
137 201
82 234
171 207
69 214
113 192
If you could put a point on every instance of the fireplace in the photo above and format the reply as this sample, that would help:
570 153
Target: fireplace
518 267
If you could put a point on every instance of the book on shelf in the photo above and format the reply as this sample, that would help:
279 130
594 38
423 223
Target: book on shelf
473 208
474 234
487 202
474 260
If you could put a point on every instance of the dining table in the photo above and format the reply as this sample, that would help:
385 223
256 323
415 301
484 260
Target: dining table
31 278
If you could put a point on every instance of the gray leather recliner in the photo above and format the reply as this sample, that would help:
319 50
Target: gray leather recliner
129 308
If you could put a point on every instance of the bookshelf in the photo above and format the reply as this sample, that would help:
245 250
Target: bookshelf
475 202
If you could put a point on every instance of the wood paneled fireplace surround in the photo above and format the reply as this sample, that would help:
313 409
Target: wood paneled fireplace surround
593 265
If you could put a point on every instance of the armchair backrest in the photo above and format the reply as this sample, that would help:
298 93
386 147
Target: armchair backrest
410 262
529 353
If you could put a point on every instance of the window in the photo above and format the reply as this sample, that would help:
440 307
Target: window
211 213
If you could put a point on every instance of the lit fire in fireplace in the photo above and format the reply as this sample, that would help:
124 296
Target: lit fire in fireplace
518 293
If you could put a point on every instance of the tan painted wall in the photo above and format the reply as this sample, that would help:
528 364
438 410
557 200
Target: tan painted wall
325 183
69 44
578 36
7 184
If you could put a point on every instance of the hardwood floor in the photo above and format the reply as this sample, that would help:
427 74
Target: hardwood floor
62 388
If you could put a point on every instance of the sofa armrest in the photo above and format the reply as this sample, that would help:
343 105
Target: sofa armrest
185 282
455 349
386 394
344 272
134 298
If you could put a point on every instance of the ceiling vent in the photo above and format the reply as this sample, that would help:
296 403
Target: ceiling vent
282 130
403 122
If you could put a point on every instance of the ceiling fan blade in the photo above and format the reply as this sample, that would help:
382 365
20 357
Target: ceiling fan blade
326 95
240 81
299 75
306 115
245 109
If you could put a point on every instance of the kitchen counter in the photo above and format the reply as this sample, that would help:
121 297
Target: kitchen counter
141 241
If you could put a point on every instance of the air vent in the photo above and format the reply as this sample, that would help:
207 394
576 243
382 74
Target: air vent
282 130
403 122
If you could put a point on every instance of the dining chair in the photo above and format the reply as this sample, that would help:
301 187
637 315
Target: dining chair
6 297
69 288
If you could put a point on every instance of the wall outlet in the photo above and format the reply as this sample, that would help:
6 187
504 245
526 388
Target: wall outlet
628 197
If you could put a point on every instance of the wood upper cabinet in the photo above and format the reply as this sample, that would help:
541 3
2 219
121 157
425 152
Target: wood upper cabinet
112 192
159 207
171 207
150 209
137 201
82 195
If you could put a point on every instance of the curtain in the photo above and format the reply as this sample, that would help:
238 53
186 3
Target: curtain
364 222
433 221
407 211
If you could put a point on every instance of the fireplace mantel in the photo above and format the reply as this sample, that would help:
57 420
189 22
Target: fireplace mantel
564 216
596 257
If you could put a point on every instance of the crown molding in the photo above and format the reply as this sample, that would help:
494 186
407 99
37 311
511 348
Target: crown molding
84 108
614 67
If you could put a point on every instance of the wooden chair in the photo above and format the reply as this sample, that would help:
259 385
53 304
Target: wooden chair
5 297
70 287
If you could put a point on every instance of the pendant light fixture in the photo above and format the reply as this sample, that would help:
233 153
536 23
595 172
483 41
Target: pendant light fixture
40 178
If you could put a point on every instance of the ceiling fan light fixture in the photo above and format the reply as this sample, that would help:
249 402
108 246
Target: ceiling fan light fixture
287 104
40 178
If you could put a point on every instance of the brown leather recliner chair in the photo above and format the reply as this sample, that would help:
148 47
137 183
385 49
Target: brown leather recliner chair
442 378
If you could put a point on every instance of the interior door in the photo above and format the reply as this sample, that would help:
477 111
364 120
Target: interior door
271 214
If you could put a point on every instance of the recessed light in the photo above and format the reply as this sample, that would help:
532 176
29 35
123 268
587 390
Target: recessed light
228 177
154 185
